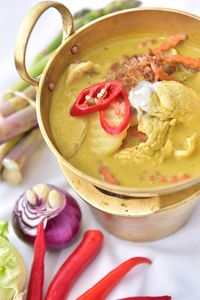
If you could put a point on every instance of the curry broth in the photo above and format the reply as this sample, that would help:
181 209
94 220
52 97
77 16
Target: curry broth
67 130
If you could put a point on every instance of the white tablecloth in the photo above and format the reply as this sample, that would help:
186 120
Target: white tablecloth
176 259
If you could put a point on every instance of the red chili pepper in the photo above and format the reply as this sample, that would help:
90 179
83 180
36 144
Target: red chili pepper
75 264
103 287
126 114
148 298
36 280
97 99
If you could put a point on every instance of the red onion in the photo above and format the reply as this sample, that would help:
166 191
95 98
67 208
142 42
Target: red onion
60 213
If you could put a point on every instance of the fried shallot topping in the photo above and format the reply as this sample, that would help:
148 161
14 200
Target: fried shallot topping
148 67
153 66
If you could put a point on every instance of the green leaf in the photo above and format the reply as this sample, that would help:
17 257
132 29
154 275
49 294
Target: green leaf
12 267
4 229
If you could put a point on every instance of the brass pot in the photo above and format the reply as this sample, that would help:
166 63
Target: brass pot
154 20
137 219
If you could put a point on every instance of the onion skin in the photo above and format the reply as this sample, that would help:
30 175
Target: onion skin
61 238
60 229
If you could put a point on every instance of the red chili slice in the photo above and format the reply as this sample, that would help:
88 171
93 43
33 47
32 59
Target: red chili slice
95 102
126 114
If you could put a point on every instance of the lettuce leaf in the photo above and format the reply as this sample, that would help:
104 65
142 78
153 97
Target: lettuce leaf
4 229
12 267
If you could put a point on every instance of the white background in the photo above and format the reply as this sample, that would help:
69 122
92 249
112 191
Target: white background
176 259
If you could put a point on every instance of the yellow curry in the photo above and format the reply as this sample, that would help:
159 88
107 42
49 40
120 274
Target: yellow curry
160 143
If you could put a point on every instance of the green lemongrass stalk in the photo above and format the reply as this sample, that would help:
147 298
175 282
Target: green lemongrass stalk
114 6
19 101
15 161
7 147
49 49
35 70
17 123
12 177
58 39
41 59
85 16
17 157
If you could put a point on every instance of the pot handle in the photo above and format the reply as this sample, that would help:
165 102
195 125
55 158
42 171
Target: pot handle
26 29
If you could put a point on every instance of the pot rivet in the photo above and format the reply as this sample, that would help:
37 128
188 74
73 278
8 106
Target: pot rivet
74 49
51 86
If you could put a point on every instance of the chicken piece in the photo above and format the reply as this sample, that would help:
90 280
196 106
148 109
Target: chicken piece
162 106
76 71
156 131
167 150
177 101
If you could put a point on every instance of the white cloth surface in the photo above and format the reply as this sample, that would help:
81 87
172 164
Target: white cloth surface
176 259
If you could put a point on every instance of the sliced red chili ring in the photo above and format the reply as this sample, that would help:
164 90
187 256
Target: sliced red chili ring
96 97
117 129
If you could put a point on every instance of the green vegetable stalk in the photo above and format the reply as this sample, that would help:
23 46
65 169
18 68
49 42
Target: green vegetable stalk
12 268
17 123
80 19
114 6
35 70
3 230
13 104
6 147
15 161
85 16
